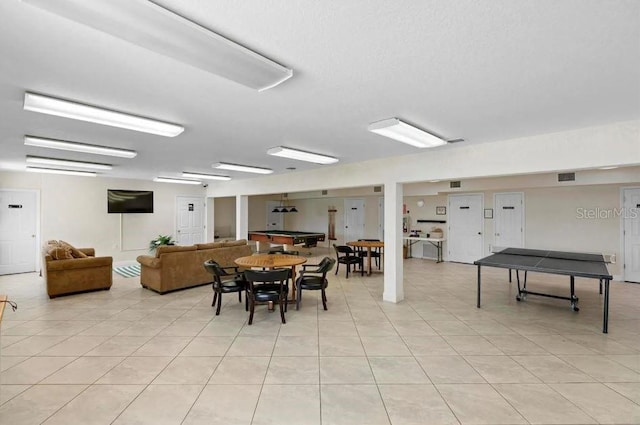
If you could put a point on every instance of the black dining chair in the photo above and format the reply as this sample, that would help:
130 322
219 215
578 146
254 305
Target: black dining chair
225 282
283 252
347 256
313 277
267 285
376 253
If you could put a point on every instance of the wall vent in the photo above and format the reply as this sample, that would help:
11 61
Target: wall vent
455 184
567 177
325 192
377 189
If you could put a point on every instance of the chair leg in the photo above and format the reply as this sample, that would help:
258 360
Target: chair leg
282 311
348 269
324 299
215 297
337 268
362 269
251 307
298 296
246 300
239 296
219 304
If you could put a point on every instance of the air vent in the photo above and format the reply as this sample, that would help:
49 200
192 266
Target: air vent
567 177
325 192
377 189
455 184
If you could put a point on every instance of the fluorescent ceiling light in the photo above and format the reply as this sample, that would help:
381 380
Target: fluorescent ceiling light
67 163
302 155
243 168
78 147
172 180
78 111
405 133
608 168
55 171
205 176
148 25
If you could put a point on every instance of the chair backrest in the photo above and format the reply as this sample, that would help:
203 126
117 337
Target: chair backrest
311 242
282 251
267 276
214 268
326 265
342 249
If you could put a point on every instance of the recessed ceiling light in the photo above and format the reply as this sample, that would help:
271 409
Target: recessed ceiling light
78 111
56 171
405 133
77 147
67 163
302 155
205 176
243 168
172 180
147 23
434 181
608 168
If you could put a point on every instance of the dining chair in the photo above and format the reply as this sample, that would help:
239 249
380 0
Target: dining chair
347 256
267 285
313 277
376 253
283 252
225 282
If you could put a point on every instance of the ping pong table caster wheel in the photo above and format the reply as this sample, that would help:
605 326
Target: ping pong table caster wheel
519 298
575 308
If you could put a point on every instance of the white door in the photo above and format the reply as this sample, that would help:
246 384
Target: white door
353 219
190 220
381 218
275 220
466 221
18 231
631 234
508 215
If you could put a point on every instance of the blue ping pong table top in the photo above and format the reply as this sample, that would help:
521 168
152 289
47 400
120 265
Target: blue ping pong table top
545 261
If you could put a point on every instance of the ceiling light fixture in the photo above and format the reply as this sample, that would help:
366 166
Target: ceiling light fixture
77 147
56 171
612 167
405 133
172 180
78 111
243 168
282 208
67 163
302 155
147 23
205 176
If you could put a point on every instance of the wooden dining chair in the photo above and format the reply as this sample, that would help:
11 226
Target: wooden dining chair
267 285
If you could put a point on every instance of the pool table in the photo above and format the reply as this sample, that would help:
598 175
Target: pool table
284 237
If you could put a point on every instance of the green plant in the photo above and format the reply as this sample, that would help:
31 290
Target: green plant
161 240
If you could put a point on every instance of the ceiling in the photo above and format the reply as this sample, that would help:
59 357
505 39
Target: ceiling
481 71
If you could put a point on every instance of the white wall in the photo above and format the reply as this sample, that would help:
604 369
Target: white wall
74 209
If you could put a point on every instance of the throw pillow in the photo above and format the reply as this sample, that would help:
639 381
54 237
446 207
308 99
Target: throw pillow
60 253
74 251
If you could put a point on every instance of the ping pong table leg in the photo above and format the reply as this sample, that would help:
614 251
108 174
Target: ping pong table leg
478 286
605 318
600 286
509 275
573 298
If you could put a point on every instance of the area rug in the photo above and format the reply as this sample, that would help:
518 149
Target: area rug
128 271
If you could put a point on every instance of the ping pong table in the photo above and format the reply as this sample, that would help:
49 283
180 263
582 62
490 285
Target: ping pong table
572 264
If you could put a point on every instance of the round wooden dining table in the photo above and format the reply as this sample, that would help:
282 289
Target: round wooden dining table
274 261
369 245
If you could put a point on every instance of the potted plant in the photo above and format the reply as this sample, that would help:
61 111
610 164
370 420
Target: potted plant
161 240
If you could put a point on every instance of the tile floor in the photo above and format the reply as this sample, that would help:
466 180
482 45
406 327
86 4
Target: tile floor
130 356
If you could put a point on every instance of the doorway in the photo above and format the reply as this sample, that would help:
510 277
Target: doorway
189 220
466 225
19 231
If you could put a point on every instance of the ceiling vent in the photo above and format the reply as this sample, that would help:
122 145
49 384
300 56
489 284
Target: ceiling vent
454 185
325 192
377 189
567 177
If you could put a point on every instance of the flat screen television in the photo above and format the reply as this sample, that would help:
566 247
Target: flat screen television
129 201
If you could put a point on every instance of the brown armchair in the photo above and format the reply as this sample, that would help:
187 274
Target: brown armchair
70 276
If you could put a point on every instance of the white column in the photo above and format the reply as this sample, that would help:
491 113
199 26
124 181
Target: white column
242 217
393 272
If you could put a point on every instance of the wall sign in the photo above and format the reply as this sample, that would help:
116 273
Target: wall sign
190 207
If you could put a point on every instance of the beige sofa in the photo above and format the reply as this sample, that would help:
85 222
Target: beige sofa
179 267
70 275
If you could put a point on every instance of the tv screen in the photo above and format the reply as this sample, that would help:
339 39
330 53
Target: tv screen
129 201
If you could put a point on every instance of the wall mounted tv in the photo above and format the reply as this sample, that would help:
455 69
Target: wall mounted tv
129 201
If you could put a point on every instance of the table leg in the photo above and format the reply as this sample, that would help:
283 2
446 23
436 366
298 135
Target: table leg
605 318
292 297
478 286
369 261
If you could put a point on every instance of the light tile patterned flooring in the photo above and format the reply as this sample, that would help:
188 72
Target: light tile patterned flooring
130 356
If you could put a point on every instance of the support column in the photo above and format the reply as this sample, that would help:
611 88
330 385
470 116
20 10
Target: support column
393 266
242 217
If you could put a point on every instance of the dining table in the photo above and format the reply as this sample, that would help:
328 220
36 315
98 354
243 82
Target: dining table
274 261
369 245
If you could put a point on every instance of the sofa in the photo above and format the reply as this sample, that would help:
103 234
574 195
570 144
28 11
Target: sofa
68 270
178 267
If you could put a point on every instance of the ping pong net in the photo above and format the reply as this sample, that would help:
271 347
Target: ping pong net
560 255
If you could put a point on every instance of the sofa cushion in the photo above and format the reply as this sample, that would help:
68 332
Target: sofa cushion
210 245
163 249
76 253
60 253
235 243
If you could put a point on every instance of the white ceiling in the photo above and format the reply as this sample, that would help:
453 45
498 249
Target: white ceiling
479 70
